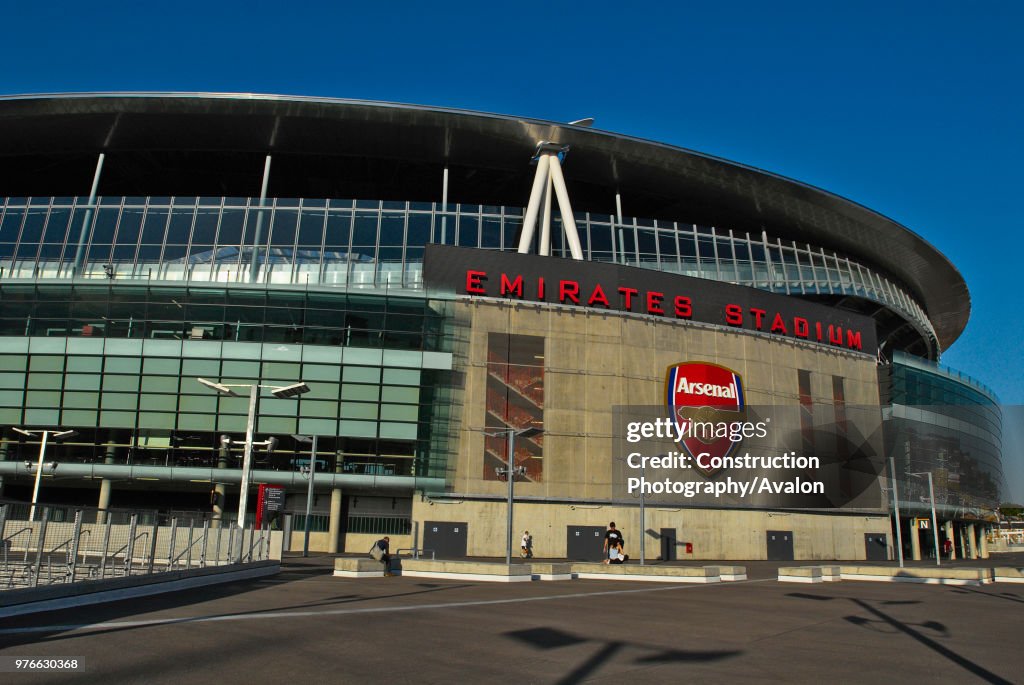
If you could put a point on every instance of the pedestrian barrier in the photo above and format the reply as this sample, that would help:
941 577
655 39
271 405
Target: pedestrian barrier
63 544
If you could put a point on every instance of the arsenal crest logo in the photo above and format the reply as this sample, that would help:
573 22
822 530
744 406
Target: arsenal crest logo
702 398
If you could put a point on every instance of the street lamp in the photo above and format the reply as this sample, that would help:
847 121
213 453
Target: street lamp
896 504
511 471
935 521
309 492
58 433
254 389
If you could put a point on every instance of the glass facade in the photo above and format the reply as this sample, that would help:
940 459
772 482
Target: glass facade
943 422
119 362
372 244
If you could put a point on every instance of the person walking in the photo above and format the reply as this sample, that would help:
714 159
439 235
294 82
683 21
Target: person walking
526 546
612 540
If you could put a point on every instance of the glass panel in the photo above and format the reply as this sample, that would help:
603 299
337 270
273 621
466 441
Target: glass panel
231 224
338 229
358 410
392 230
154 227
205 230
32 230
11 225
99 253
361 374
311 228
128 229
667 247
419 229
365 232
181 225
57 226
491 233
104 225
360 393
469 230
645 242
283 230
512 229
401 377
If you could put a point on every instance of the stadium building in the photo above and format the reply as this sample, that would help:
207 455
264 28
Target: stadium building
443 283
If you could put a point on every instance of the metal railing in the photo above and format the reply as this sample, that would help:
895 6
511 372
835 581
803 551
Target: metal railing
68 544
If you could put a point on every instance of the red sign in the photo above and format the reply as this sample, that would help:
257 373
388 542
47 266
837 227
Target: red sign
269 502
702 397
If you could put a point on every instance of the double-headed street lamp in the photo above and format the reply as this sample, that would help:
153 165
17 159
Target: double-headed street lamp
935 522
58 433
510 471
309 492
281 392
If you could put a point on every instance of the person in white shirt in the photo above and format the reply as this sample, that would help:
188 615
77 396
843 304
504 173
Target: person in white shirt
526 547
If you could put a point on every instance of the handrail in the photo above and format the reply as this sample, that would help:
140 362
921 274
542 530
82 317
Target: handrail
3 543
253 541
14 535
184 552
130 542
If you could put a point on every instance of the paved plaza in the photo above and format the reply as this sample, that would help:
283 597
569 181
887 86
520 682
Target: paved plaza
306 626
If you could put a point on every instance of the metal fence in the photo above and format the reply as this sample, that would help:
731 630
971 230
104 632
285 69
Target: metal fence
380 524
48 544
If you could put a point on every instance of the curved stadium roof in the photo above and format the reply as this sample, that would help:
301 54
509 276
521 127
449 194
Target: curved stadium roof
214 144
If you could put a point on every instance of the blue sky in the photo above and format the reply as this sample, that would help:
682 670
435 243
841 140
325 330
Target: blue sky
911 109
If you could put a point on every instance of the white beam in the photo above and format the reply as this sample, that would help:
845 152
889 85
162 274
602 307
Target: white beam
530 218
568 221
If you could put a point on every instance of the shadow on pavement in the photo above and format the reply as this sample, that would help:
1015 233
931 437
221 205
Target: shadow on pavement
913 631
552 638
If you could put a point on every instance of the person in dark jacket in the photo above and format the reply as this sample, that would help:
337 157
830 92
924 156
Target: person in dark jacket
385 558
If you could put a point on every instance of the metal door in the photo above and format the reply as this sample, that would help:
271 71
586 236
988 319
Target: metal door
446 538
584 543
876 547
780 545
668 544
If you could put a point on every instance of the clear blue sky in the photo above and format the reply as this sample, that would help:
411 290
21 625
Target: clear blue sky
914 110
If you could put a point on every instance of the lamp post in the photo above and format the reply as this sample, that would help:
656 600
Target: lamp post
57 433
309 492
935 521
896 505
511 471
281 392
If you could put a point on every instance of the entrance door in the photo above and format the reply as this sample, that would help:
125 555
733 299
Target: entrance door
445 538
668 544
584 543
875 547
780 545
